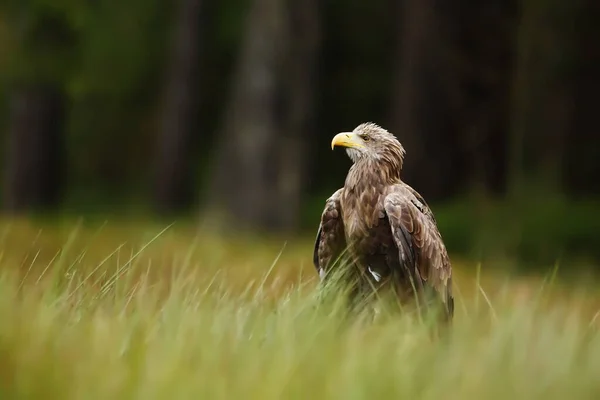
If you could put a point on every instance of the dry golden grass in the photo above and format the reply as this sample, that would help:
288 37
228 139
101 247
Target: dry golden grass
134 310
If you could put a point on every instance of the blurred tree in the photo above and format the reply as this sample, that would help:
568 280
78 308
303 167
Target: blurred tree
421 106
451 100
298 118
259 171
35 153
174 167
480 53
116 99
582 161
542 93
44 43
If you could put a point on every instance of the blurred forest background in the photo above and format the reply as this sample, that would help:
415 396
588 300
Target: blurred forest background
202 107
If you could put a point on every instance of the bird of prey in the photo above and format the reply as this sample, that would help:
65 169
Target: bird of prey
383 226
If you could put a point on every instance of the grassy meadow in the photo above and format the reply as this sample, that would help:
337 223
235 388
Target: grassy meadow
145 311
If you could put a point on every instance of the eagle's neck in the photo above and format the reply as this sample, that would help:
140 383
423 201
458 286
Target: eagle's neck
366 174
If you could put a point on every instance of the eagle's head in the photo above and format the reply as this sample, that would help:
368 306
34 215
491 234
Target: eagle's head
370 142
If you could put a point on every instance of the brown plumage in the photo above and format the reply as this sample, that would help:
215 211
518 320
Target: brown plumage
383 225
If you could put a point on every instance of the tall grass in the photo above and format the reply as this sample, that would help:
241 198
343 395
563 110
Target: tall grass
143 315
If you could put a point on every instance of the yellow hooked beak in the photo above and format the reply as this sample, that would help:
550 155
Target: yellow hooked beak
347 139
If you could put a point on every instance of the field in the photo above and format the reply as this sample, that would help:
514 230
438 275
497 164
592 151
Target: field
145 311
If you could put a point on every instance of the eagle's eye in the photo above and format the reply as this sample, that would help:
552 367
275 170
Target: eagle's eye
365 137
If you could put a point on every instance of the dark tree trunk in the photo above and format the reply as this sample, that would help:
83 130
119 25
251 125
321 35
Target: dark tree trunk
173 183
246 160
582 162
421 104
299 83
452 94
456 65
542 94
35 152
481 56
259 168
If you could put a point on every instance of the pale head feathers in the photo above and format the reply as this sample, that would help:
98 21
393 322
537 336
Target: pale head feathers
370 146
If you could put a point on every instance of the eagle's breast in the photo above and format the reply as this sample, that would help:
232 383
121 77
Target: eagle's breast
368 233
366 226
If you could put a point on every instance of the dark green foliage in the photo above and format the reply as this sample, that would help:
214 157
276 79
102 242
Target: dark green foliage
537 231
116 93
110 59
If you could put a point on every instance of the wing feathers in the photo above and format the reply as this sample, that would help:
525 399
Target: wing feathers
330 241
421 250
410 216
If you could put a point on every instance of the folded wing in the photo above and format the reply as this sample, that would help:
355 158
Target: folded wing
422 250
330 242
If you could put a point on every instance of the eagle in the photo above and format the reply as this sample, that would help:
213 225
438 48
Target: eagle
383 227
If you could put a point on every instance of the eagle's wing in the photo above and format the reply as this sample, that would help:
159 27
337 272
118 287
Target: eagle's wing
330 242
422 250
